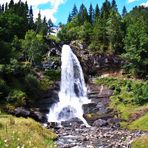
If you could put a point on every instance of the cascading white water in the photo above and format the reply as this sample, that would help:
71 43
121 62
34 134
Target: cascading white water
73 92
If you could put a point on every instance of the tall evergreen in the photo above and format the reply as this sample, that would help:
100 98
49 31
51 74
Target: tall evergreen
30 19
105 10
114 5
50 25
96 13
11 4
83 14
3 8
91 14
124 11
69 19
74 11
6 6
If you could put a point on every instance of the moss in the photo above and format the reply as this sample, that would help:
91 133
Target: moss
20 132
141 142
141 123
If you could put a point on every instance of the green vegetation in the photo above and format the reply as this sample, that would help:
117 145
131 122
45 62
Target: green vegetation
141 142
141 123
30 133
24 44
105 31
130 100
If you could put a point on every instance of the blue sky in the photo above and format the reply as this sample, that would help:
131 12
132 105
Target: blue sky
58 10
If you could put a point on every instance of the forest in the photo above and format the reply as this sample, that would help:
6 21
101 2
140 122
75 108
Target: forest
25 42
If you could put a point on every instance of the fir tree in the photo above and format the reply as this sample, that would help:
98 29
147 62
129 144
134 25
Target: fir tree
11 4
105 10
91 14
97 12
114 5
69 18
124 11
74 11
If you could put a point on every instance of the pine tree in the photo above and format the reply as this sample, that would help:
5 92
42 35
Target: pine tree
38 22
114 5
11 4
50 25
97 13
114 32
91 14
6 6
124 11
105 10
74 11
69 18
83 15
3 8
30 19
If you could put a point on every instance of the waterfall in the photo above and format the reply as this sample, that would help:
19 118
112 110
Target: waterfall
73 91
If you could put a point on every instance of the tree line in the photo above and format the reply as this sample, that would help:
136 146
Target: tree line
104 30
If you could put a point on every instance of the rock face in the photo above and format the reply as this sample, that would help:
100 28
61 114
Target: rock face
95 63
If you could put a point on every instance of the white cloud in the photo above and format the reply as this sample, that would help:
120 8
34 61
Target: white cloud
131 1
48 12
145 4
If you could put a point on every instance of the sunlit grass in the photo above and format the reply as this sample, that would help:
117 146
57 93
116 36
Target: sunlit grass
141 123
141 142
20 132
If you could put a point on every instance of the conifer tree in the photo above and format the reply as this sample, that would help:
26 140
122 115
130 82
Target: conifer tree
6 6
105 10
3 8
124 11
114 5
69 18
11 4
91 14
97 13
83 15
74 11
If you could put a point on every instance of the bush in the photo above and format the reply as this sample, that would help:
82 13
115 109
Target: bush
3 90
32 86
53 74
17 97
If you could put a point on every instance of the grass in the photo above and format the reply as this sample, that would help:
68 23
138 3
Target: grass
141 123
129 99
26 133
141 142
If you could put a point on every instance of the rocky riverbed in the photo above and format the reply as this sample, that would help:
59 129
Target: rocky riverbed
94 137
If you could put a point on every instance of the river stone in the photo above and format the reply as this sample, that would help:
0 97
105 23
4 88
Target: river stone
100 123
54 125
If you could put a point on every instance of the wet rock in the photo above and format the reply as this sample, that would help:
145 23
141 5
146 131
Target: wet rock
38 116
90 108
54 125
100 123
21 112
74 122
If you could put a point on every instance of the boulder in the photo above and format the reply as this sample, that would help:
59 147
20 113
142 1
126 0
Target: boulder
21 112
38 116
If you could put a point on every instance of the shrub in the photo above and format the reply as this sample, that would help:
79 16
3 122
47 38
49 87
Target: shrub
17 97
